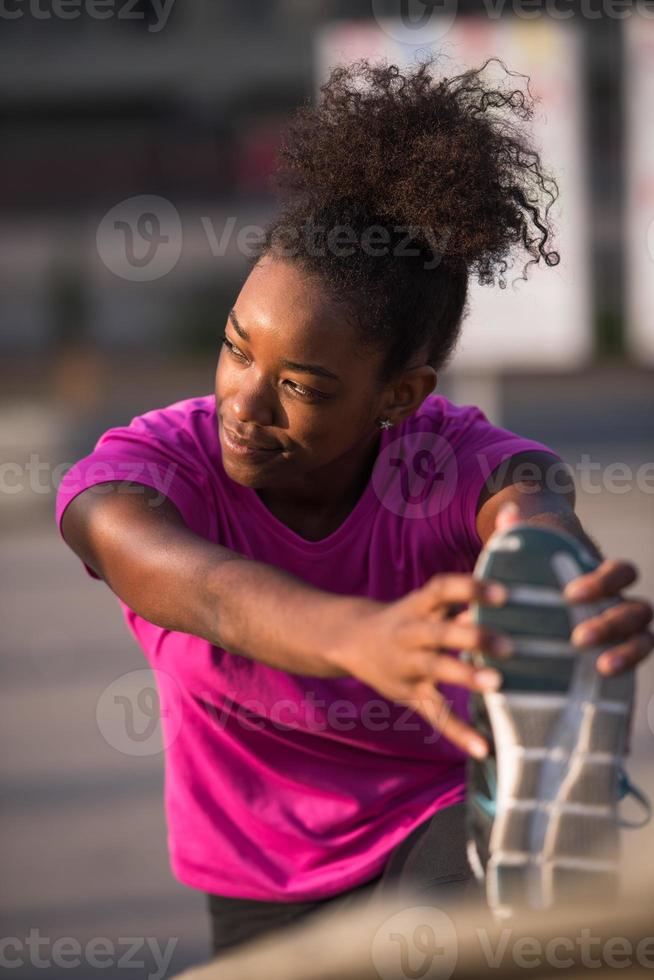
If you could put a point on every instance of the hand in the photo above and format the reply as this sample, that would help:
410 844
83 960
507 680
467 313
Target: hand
625 624
399 649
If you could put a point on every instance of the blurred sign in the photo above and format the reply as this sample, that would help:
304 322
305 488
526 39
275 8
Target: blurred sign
545 322
639 267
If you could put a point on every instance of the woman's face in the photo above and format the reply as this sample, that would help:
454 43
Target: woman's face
295 390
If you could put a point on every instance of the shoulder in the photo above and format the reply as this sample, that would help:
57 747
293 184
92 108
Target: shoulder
191 417
466 431
478 460
438 414
185 429
171 450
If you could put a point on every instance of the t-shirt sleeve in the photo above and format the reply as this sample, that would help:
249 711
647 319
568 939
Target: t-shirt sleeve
143 453
480 447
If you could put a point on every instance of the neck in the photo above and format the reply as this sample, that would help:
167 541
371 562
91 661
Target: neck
316 504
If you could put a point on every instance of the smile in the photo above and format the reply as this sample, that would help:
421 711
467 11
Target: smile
241 447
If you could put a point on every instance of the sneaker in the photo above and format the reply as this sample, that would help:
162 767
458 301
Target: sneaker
542 807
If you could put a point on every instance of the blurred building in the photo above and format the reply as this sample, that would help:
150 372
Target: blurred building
184 100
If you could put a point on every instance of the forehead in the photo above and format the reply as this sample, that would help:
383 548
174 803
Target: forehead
282 308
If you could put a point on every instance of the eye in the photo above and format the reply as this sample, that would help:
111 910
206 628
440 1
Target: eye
294 387
307 394
233 350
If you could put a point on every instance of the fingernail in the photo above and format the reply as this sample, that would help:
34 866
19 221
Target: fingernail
576 591
496 593
478 748
489 679
617 663
584 635
503 646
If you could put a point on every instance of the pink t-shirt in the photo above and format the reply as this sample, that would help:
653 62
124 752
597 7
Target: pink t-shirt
281 787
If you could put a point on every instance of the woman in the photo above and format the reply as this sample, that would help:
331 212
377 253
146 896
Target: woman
294 554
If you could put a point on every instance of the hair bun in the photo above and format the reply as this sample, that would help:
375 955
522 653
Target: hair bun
443 161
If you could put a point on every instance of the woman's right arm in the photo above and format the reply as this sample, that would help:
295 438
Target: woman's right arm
175 579
141 547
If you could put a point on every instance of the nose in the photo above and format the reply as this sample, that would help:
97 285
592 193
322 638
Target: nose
251 403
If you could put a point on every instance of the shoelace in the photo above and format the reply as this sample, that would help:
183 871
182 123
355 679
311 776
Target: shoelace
488 803
626 789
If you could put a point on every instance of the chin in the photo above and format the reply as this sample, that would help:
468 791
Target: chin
247 474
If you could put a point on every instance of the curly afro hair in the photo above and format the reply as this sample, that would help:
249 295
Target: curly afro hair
397 186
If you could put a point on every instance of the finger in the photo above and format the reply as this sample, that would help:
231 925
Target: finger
447 669
452 635
626 656
464 618
450 670
438 713
507 516
448 590
469 636
617 623
606 580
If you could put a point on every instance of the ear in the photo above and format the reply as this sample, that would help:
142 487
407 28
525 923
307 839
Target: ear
406 393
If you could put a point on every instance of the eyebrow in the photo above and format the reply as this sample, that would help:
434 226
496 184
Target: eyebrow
316 369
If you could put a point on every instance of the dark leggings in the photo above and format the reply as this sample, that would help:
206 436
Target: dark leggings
430 863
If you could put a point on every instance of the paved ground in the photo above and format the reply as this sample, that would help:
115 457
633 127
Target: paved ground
83 845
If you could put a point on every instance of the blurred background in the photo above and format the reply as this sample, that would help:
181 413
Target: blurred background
137 141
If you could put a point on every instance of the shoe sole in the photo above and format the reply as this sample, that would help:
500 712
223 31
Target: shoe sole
558 726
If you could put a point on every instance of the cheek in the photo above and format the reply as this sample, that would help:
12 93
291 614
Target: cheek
329 431
224 381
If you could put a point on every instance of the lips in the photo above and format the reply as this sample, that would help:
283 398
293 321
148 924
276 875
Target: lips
248 443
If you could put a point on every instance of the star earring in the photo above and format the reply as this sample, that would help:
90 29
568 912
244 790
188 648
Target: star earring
385 423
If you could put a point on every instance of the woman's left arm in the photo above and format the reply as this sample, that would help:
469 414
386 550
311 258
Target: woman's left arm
533 487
